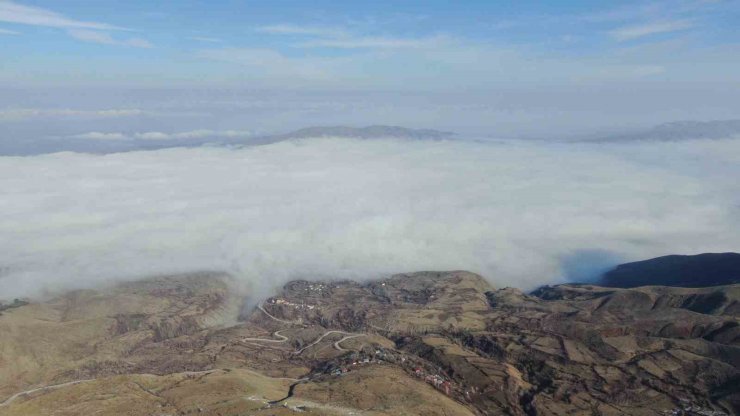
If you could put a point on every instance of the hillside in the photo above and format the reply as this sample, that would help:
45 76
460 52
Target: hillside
431 343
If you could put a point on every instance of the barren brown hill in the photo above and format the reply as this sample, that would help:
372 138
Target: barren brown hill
428 343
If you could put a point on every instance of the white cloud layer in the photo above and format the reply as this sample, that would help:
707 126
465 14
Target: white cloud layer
158 135
512 211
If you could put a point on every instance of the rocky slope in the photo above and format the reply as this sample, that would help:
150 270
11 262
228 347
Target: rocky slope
431 343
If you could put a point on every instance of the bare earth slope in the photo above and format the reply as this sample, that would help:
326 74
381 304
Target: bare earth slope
428 343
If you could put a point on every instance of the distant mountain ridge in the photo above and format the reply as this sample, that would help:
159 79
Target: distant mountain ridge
701 270
680 130
369 132
364 133
84 145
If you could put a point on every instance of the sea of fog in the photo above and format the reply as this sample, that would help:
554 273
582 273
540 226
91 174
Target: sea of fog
520 213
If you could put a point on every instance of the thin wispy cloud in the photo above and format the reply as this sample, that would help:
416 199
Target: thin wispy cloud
653 28
137 43
205 39
287 29
374 42
625 13
264 62
8 32
105 38
85 31
246 56
338 38
12 12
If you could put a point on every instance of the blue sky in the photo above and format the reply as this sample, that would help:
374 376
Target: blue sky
438 45
109 69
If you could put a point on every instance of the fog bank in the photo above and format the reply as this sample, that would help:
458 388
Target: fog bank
518 213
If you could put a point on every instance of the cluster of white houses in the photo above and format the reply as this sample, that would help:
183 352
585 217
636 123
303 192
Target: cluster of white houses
351 361
435 380
285 302
689 409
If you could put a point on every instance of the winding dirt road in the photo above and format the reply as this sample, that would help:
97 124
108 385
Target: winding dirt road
277 334
283 338
338 347
10 399
336 344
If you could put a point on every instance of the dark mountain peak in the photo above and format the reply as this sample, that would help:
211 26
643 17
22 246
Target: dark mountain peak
702 270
